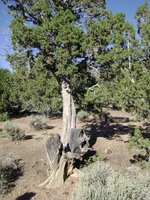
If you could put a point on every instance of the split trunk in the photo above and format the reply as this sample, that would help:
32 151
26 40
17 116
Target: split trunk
63 152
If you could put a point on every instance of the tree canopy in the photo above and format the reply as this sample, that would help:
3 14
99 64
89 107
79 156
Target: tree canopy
82 44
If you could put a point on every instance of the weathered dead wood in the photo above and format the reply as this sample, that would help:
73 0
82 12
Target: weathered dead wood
78 141
54 150
62 163
69 113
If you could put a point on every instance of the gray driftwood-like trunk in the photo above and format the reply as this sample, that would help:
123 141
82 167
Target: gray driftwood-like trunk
69 113
63 151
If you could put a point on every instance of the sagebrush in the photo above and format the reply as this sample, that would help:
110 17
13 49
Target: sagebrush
4 116
39 122
13 132
10 170
83 116
102 183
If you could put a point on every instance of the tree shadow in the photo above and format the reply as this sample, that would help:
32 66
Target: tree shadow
11 172
26 196
146 131
119 119
28 137
107 130
15 170
146 124
139 158
50 127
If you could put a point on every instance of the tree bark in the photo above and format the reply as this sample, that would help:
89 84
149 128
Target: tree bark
61 163
69 113
63 151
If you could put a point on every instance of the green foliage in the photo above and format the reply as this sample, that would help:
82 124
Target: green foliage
139 142
10 170
4 116
36 90
55 39
144 164
13 132
39 122
131 93
104 65
51 41
101 182
92 159
142 15
97 97
5 83
143 21
83 115
2 134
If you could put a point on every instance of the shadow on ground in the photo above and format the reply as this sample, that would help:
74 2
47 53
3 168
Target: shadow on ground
107 130
110 127
28 137
26 196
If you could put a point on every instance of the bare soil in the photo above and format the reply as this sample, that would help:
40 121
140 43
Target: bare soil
33 156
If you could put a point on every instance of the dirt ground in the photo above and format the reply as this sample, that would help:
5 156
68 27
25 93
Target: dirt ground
33 156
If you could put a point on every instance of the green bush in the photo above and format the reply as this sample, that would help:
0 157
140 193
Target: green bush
102 183
83 115
9 172
4 116
92 159
137 141
39 122
2 134
3 180
13 132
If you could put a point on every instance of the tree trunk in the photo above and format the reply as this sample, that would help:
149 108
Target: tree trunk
63 151
61 163
69 113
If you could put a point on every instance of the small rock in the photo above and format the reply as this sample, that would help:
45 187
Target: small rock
118 139
108 151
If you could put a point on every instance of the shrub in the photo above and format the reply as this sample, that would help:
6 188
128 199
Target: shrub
2 134
3 180
92 159
139 142
9 172
4 116
13 132
39 122
102 183
83 115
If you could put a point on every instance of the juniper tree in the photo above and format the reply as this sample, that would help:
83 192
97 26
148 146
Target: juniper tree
132 91
120 63
112 41
80 43
5 83
33 89
54 32
142 16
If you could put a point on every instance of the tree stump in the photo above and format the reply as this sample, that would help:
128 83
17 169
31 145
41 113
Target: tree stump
62 160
